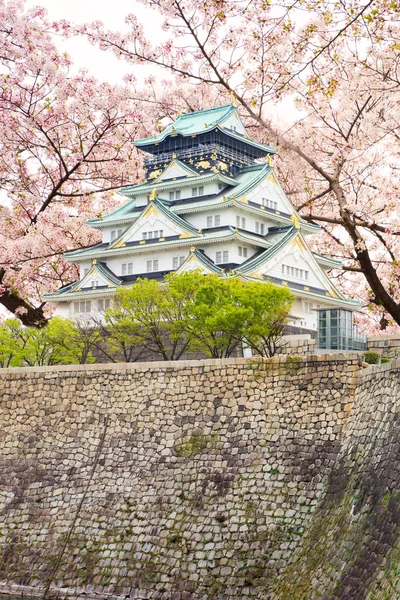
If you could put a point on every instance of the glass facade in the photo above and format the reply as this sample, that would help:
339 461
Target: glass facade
337 331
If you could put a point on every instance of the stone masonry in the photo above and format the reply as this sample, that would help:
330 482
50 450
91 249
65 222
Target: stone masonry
230 479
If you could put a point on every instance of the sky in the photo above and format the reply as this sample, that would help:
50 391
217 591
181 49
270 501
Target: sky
102 65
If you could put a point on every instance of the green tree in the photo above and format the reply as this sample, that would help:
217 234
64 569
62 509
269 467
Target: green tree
73 341
224 314
196 312
151 315
270 307
217 318
12 343
61 341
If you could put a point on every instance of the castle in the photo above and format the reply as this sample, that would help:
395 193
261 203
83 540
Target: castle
211 200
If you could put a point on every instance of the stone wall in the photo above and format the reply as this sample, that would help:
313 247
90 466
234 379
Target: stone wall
386 345
227 479
297 345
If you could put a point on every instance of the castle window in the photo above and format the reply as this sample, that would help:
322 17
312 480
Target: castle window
241 222
225 256
152 235
82 307
177 261
127 268
152 265
94 283
218 257
308 306
175 195
198 191
103 303
86 271
242 251
260 228
269 203
115 233
217 221
295 272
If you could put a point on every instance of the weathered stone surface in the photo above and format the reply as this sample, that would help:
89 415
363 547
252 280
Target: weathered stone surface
224 479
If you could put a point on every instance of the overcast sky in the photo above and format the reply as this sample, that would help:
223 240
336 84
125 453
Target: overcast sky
103 65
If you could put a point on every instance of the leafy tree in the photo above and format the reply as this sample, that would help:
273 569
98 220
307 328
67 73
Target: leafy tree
217 317
73 341
196 312
12 343
121 337
224 314
146 314
61 341
270 312
320 81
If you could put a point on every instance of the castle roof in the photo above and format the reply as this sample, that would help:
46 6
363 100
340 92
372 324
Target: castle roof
201 122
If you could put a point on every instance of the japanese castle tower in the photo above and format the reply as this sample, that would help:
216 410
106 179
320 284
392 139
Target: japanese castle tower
210 201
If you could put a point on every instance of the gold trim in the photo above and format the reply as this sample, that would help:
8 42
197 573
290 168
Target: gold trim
295 220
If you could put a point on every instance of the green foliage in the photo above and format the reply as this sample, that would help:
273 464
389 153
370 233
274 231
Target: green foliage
191 311
293 364
195 443
385 359
12 343
198 312
152 315
61 341
372 358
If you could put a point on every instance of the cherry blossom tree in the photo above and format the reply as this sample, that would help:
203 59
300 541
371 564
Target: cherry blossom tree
66 143
318 79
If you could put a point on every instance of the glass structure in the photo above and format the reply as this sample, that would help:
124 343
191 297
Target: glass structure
337 330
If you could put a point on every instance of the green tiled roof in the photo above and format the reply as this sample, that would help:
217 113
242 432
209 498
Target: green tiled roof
279 239
200 122
143 188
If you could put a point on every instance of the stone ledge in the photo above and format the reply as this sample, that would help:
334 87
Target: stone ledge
177 365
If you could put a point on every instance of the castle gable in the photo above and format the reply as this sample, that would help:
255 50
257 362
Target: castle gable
175 170
155 222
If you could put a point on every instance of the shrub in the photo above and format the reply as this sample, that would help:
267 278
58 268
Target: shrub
372 358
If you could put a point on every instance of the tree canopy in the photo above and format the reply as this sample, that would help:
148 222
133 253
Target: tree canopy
187 313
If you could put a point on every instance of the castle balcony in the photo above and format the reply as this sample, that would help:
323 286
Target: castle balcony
201 150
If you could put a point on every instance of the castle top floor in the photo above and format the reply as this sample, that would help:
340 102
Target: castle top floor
207 140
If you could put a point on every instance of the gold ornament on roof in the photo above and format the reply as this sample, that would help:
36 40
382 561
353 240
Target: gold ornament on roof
203 163
295 220
155 174
270 160
94 261
233 98
179 111
192 249
153 194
